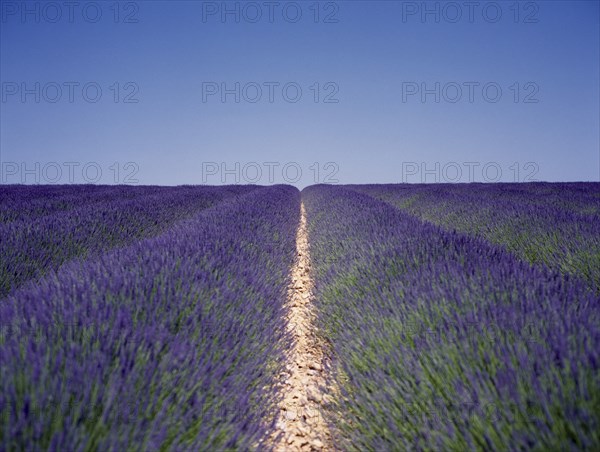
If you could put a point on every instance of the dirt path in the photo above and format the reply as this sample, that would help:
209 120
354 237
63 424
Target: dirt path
303 384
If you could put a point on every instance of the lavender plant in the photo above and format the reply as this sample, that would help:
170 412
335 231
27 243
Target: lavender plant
104 219
443 341
170 343
554 224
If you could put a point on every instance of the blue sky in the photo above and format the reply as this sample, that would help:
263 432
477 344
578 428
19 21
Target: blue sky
390 91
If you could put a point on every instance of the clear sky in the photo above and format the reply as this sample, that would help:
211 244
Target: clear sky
190 92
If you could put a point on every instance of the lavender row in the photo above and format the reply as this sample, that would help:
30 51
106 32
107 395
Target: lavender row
172 343
555 224
27 202
443 341
33 246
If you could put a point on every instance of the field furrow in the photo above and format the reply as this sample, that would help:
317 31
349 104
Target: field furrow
300 424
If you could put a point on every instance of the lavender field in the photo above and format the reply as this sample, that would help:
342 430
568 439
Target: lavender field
444 317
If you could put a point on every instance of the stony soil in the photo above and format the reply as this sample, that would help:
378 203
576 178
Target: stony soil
303 384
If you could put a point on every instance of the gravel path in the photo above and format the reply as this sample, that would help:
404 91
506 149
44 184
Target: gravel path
303 384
